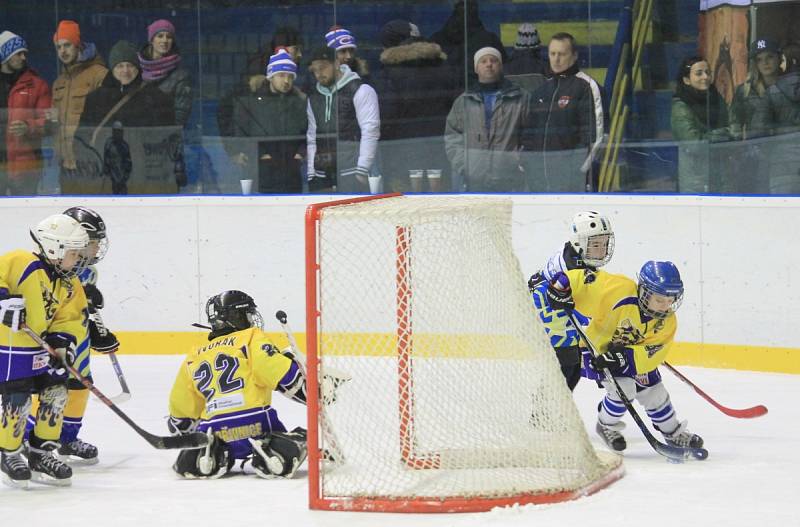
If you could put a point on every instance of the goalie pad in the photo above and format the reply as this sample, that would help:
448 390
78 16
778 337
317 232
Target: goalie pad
280 454
210 462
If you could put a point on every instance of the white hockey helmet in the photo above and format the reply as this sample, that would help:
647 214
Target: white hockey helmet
592 237
58 234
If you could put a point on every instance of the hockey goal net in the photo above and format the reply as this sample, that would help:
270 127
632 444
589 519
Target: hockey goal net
454 399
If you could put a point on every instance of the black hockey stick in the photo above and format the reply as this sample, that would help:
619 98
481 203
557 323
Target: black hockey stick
192 440
674 452
126 392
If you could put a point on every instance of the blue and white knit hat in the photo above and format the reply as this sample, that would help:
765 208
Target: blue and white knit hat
281 61
10 45
340 38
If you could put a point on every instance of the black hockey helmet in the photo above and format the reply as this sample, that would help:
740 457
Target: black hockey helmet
232 310
95 227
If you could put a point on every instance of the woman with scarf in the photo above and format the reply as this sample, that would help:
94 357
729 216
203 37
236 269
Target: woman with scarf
699 119
160 60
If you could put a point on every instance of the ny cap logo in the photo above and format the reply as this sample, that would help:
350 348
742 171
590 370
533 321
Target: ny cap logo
761 44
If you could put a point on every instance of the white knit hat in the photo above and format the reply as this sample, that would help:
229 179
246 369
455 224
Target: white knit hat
10 45
488 50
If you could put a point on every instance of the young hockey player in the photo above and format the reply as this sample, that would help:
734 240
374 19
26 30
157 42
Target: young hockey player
632 325
590 246
74 449
42 291
224 388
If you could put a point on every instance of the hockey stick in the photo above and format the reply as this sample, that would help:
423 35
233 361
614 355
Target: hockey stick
192 440
673 452
743 413
126 392
328 394
125 396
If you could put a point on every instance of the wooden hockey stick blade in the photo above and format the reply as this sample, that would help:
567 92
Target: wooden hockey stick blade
193 440
673 452
739 413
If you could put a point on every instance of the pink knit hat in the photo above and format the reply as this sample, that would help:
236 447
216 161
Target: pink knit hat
158 26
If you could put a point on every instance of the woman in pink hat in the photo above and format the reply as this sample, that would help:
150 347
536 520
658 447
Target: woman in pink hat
160 60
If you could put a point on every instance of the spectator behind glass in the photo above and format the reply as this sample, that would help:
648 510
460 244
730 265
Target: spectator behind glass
461 36
275 121
344 43
526 58
160 60
416 92
699 117
343 127
24 101
82 72
783 120
128 102
567 118
749 102
484 129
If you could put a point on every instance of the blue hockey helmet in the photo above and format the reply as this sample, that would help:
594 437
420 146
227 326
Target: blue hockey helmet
660 289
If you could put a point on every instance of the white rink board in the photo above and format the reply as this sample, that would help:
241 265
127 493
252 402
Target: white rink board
168 254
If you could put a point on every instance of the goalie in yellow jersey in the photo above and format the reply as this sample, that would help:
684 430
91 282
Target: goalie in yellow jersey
224 388
632 326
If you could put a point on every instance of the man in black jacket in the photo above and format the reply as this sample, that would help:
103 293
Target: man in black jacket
274 121
567 117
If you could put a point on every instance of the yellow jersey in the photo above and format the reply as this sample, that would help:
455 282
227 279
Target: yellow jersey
53 305
611 303
227 385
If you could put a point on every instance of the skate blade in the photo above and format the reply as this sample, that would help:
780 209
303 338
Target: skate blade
15 483
45 479
75 461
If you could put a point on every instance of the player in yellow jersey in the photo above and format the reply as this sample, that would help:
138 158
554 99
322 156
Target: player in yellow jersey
42 291
224 388
632 327
73 449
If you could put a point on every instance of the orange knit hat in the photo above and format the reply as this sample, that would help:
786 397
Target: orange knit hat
68 30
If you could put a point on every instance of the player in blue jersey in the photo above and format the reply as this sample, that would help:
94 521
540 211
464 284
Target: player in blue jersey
590 246
632 326
224 388
42 291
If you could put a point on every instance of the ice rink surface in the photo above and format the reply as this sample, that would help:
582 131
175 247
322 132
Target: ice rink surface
750 478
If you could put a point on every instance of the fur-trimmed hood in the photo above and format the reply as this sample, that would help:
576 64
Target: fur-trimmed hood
412 53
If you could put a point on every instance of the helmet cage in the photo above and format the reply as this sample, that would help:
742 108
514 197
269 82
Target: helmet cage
57 234
95 228
233 309
588 227
646 294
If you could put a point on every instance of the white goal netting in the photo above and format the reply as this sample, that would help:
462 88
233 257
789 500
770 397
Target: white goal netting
454 390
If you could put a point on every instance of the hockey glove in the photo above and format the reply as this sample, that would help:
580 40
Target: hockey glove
65 349
559 293
535 281
93 296
102 340
12 311
616 359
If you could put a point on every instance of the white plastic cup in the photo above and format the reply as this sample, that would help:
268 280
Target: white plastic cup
434 173
375 184
247 186
416 174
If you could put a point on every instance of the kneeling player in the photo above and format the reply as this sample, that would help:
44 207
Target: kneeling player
632 327
224 388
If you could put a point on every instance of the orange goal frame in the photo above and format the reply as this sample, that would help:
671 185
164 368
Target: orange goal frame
408 454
